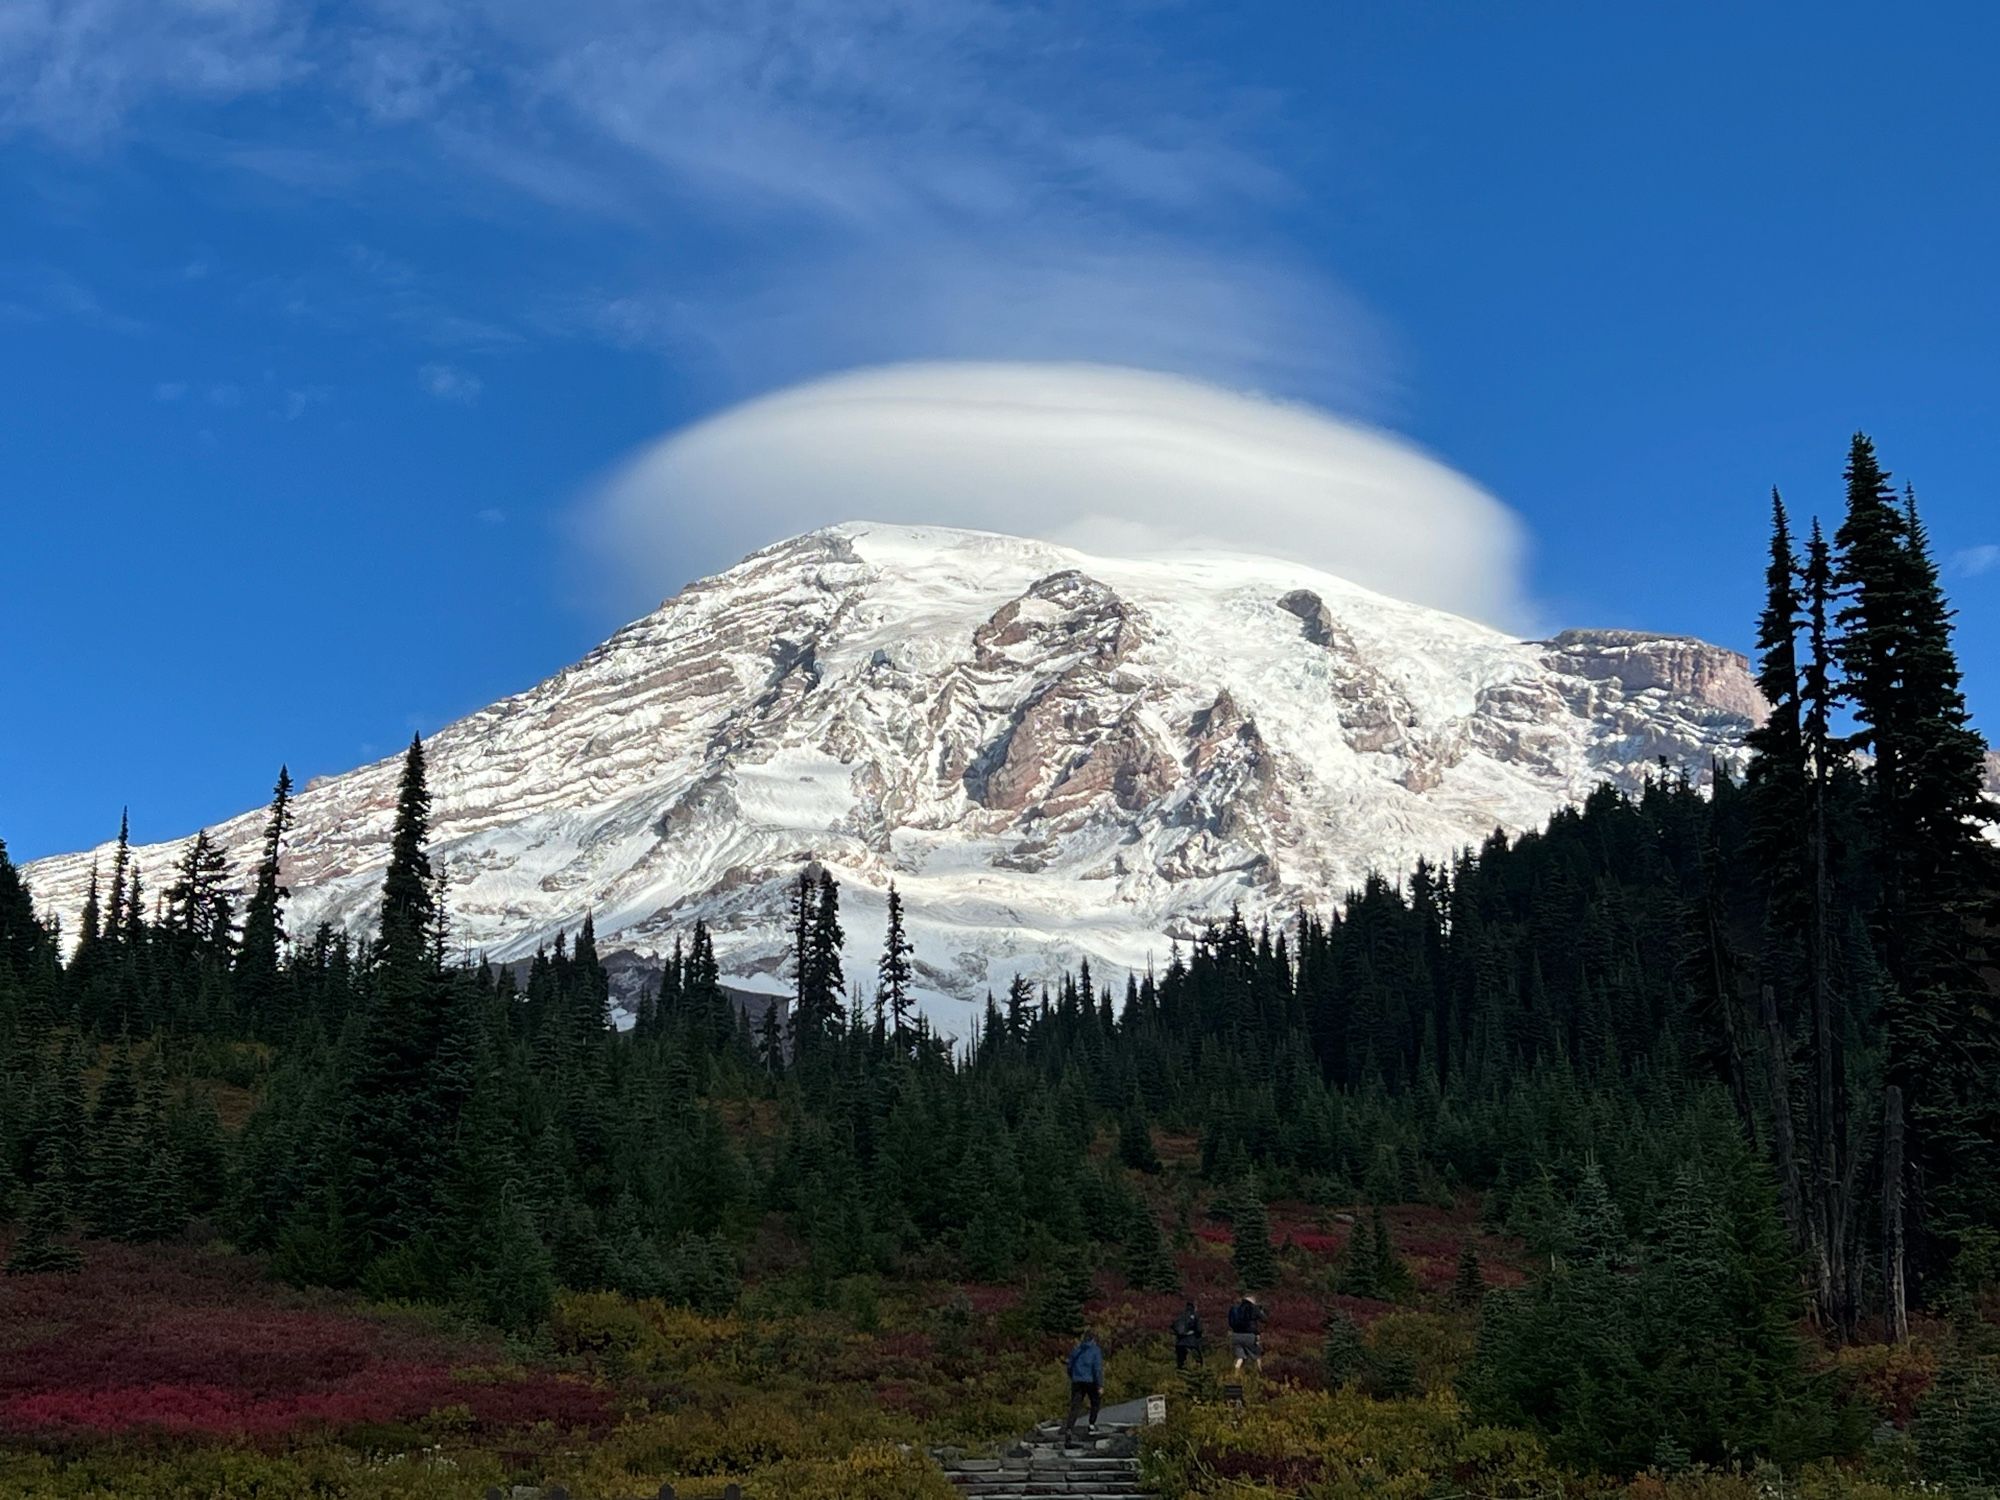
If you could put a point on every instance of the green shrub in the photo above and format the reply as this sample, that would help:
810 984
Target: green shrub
1342 1446
1435 1348
413 1271
229 1473
1957 1426
702 1273
1694 1351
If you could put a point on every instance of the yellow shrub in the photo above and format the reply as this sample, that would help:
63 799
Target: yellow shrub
646 1336
218 1473
1890 1378
876 1471
598 1323
1437 1347
1342 1446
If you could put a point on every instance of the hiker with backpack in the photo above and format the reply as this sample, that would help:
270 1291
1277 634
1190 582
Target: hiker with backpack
1246 1328
1187 1337
1086 1382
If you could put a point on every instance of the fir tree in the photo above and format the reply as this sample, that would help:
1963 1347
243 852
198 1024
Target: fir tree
261 947
770 1041
1593 1231
1135 1139
90 923
1925 800
1371 1267
118 918
1255 1261
397 1108
1149 1265
1391 1275
1066 1283
828 978
115 1158
38 1248
817 939
1777 784
1469 1287
198 904
1344 1354
991 1242
893 973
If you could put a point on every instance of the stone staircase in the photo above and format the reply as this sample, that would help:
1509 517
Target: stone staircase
1100 1465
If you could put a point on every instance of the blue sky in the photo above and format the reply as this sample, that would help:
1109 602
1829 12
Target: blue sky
320 325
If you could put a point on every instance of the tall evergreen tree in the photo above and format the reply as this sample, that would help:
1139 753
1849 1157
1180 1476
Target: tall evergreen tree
1777 784
198 904
1931 868
817 940
1255 1261
262 945
893 973
396 1127
39 1247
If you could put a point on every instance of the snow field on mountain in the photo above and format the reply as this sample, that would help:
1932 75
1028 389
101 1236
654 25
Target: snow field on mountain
1053 755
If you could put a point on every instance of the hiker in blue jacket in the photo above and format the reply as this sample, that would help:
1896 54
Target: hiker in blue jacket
1086 1382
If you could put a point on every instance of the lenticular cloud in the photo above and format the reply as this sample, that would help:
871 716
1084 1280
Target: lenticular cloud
1102 458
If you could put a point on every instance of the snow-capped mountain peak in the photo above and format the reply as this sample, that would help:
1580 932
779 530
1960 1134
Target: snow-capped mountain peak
1051 754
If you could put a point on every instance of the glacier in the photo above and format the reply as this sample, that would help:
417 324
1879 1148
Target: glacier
1053 755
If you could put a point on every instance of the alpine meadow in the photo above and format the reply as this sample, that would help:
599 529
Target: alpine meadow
1651 1152
999 750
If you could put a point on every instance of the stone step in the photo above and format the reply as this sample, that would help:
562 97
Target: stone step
1011 1477
1095 1485
1101 1469
1102 1432
1051 1432
1095 1475
1099 1463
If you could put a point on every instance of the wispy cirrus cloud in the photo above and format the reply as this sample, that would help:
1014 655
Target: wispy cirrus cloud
872 179
297 401
81 70
449 383
1973 562
41 294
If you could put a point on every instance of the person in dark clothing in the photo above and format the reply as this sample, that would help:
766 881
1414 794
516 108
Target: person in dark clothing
1086 1382
1246 1328
1187 1337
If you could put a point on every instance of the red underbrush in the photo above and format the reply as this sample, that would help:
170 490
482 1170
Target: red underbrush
190 1341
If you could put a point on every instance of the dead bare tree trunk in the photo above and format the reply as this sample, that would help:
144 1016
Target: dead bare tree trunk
1722 979
1784 1144
1833 1153
1895 1295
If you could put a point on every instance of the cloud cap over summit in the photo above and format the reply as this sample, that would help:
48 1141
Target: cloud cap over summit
1095 456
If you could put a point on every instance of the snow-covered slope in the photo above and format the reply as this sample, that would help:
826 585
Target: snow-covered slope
1051 754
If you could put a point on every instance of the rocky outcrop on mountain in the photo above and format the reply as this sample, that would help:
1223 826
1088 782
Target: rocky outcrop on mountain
1052 755
1640 662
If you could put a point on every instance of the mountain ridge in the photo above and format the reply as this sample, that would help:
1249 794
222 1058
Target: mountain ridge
1054 754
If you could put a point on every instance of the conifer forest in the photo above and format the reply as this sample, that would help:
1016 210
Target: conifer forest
1653 1153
